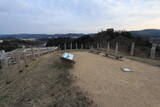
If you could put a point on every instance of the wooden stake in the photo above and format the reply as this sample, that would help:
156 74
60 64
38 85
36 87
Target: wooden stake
153 51
108 46
132 49
116 51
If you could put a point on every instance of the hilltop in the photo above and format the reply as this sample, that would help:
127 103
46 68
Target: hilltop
93 81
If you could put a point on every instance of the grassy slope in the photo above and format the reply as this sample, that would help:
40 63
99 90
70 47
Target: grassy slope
47 82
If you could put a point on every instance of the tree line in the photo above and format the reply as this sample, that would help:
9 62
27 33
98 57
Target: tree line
123 37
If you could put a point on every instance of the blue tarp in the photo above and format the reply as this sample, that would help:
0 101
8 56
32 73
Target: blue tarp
68 56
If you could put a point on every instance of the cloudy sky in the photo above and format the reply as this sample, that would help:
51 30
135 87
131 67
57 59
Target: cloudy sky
63 16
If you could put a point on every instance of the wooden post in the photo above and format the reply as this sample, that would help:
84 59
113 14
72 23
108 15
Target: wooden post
32 53
19 63
30 57
25 59
81 46
132 49
59 47
1 66
153 51
71 46
97 45
76 46
108 46
116 50
89 46
92 46
16 59
100 46
65 47
3 61
40 54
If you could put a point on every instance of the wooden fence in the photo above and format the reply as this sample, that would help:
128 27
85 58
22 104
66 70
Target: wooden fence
133 49
26 55
22 57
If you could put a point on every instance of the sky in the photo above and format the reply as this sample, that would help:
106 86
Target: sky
77 16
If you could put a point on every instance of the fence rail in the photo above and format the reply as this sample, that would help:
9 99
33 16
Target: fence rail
24 56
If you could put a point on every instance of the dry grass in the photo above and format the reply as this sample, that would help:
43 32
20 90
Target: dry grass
47 82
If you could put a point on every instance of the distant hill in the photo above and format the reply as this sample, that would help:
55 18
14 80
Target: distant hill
147 33
73 35
153 35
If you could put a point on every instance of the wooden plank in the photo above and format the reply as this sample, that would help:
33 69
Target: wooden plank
117 56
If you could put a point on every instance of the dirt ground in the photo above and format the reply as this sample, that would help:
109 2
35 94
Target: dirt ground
108 86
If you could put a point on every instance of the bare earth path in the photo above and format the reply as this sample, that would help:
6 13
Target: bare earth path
108 86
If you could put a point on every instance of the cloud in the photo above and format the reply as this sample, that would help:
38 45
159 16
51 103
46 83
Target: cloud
61 16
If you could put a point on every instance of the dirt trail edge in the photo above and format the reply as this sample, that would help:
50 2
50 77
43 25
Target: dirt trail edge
108 86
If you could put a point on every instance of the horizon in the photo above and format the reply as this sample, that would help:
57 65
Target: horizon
77 16
68 32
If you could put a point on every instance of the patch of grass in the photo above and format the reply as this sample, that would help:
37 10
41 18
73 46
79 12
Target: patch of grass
62 64
65 94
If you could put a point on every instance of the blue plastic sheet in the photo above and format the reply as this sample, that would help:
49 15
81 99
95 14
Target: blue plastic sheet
68 56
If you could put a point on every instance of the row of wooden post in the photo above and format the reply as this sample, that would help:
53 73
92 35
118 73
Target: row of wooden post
90 46
132 50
